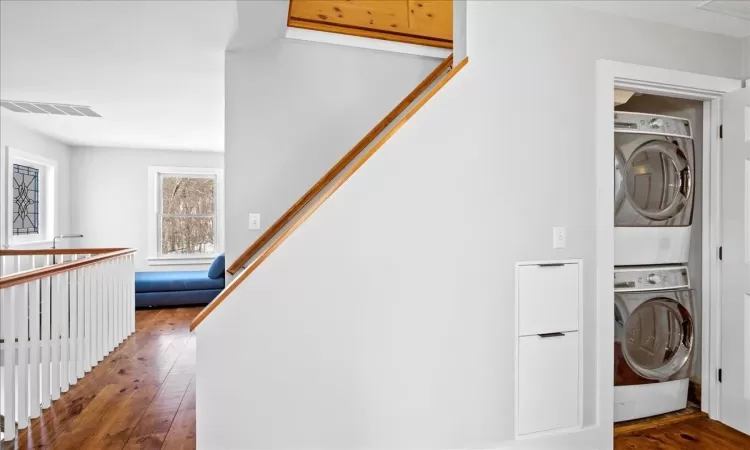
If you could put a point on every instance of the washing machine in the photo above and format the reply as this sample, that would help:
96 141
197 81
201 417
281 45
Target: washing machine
654 195
654 335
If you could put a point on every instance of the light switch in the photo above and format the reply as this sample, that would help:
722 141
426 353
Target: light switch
254 222
558 237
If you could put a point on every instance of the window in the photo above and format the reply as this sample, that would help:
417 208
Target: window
25 200
187 214
186 224
30 198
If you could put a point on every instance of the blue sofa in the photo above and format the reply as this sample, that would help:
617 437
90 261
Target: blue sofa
175 288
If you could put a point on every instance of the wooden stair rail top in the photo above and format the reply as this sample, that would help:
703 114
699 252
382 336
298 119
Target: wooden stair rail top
349 172
42 272
338 167
58 251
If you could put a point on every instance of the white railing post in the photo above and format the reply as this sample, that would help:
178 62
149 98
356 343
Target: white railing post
34 346
46 338
64 326
80 277
55 312
88 328
131 291
21 294
9 379
73 324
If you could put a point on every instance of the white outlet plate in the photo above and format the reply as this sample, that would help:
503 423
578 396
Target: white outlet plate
254 222
559 237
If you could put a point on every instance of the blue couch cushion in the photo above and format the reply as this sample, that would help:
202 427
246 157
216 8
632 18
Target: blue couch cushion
217 268
175 281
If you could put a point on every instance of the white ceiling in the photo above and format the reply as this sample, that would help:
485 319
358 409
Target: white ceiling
680 13
153 69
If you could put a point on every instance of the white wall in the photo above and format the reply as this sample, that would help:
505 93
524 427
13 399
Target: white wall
21 138
387 319
746 58
110 192
293 108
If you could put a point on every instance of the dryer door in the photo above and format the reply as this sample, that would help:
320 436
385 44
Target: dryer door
658 337
658 180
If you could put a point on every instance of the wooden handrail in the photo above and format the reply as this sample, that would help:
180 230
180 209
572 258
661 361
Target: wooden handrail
320 200
42 272
350 156
58 251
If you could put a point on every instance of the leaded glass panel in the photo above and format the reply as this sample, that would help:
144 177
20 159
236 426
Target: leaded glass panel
25 200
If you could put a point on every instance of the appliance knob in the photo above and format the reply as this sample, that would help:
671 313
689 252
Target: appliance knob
656 123
653 279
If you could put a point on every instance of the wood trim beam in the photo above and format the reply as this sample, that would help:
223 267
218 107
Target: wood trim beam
368 33
350 156
43 272
325 195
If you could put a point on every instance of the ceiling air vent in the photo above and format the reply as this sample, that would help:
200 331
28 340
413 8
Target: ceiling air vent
57 109
740 10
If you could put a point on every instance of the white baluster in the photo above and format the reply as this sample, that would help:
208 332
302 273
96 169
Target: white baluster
73 325
64 326
46 338
9 337
58 283
131 291
110 308
21 294
116 294
100 308
80 275
34 318
88 342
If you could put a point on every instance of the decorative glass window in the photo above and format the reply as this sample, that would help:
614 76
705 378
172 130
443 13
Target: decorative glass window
187 222
25 200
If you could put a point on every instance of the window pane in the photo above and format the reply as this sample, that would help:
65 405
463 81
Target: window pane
187 235
186 195
25 200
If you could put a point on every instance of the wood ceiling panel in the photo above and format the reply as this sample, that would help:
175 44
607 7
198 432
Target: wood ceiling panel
425 22
431 18
384 15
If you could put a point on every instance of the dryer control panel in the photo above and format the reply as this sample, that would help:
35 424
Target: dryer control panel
653 278
627 122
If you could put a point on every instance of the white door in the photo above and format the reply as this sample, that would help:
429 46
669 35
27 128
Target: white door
735 267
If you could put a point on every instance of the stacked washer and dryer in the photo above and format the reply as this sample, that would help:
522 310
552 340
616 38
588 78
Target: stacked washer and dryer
654 306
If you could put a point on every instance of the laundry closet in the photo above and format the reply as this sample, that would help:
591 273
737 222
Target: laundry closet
658 279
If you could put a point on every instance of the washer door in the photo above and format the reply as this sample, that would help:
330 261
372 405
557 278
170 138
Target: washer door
658 338
658 180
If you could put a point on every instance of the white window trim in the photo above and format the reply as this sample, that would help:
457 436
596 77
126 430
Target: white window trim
47 197
153 215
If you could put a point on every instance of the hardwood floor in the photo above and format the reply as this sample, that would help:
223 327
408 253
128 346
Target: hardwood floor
141 396
692 434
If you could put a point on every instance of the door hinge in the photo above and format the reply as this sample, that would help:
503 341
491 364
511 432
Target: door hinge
721 131
719 375
721 253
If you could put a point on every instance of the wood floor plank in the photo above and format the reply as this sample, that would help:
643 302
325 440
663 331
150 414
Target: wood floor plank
104 409
693 434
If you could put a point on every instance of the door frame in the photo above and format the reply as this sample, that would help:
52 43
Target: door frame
672 83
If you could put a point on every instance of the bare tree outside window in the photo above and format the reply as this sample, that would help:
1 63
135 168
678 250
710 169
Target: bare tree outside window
187 218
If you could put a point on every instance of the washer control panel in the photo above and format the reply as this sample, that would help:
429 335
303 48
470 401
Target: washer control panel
652 278
626 122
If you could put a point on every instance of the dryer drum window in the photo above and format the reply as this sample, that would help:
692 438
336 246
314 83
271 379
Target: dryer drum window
658 338
657 180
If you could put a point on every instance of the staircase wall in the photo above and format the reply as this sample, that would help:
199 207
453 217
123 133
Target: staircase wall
293 108
386 321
